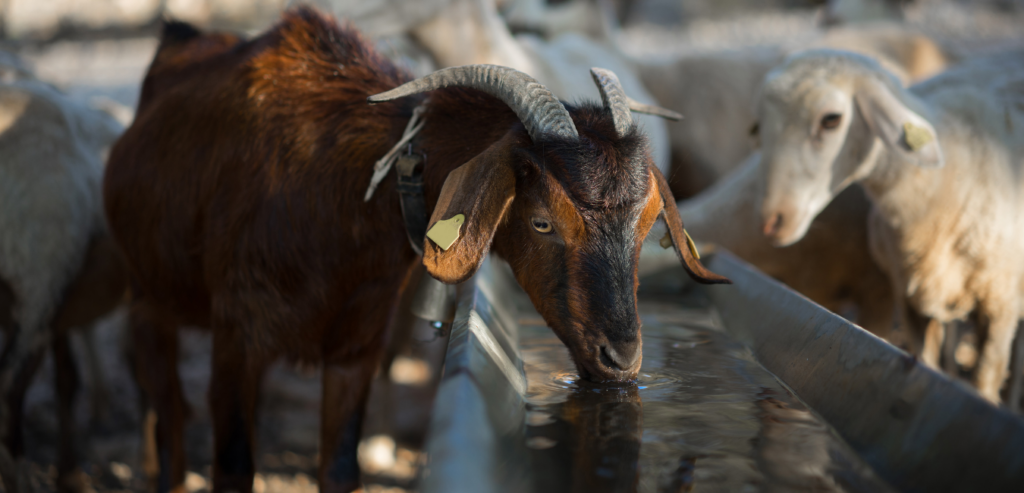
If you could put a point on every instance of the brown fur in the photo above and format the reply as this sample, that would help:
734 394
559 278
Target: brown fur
237 197
491 174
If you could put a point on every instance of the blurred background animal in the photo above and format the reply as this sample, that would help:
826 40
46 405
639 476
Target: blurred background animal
58 266
941 162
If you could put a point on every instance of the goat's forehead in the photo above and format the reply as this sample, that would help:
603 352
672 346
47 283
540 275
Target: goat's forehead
624 216
602 180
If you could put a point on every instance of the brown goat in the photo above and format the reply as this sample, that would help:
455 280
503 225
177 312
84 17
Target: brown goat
237 197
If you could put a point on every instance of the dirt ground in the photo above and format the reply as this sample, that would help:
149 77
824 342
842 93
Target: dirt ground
110 436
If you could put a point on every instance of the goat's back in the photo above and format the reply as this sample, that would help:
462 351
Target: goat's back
238 189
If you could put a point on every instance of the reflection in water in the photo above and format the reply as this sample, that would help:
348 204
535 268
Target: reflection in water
703 416
796 452
792 449
596 437
681 479
586 439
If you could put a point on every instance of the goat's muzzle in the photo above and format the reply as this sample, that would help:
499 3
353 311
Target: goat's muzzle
612 362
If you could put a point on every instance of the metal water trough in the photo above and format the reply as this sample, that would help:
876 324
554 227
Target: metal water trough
918 429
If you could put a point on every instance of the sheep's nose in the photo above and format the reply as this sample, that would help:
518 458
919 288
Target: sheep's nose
622 356
772 225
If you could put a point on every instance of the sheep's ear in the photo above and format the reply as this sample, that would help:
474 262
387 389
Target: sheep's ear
902 130
680 240
473 201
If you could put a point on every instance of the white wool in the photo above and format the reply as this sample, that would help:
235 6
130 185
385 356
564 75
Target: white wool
50 196
948 224
716 90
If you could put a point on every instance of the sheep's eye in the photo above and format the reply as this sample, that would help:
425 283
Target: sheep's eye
541 225
831 121
755 129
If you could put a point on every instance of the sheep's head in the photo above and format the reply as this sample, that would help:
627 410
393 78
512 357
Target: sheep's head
567 200
823 119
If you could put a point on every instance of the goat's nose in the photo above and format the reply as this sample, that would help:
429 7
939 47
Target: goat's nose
773 224
621 356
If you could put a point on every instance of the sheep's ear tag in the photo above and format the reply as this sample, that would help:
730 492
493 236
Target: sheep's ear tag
916 137
445 232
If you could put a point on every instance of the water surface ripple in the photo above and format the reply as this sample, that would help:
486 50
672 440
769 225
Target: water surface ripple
703 416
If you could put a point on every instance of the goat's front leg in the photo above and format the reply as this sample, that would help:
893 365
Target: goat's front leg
349 367
345 391
235 380
995 354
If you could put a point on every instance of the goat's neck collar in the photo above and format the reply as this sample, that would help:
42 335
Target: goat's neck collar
383 165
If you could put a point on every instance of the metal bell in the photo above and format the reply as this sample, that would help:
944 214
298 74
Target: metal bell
434 300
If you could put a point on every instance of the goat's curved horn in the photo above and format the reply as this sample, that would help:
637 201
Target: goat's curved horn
539 110
614 98
620 105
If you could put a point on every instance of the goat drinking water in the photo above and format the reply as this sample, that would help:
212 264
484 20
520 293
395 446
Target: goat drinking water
238 198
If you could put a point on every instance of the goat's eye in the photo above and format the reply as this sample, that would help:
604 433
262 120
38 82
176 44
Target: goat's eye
541 225
831 121
755 129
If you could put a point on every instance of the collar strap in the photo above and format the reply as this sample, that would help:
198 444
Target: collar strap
383 165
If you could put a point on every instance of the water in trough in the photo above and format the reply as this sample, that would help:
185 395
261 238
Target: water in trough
703 416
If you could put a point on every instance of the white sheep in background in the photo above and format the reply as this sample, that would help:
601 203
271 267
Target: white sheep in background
943 164
832 266
716 91
57 267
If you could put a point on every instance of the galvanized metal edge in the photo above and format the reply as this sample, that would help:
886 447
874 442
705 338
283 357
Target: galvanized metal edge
479 408
920 430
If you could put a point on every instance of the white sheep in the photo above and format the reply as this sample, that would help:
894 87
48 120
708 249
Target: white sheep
717 90
943 164
832 265
57 268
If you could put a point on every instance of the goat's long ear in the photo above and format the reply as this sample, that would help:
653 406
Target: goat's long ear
902 130
693 267
481 191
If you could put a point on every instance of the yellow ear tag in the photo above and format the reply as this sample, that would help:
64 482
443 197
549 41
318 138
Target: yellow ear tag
445 232
692 245
915 136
